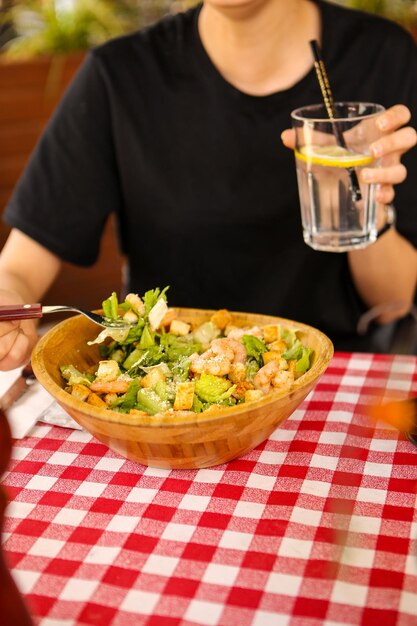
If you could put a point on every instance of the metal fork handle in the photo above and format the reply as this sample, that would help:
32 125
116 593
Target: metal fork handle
57 308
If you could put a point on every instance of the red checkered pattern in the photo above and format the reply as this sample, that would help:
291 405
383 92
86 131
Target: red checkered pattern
317 526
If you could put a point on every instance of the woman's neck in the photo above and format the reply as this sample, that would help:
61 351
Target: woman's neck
260 46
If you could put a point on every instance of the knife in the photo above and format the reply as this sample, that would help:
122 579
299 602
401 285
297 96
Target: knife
18 388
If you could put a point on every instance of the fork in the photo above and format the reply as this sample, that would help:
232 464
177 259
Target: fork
33 311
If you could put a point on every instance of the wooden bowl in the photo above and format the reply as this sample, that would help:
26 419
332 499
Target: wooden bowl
186 441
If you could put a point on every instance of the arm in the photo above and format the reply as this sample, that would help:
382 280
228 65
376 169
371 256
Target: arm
27 270
68 189
386 272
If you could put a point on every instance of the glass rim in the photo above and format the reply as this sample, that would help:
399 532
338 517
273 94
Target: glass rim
296 113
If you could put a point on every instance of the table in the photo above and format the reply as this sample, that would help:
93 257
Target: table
317 526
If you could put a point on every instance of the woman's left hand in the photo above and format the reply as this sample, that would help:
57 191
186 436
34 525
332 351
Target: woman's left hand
396 140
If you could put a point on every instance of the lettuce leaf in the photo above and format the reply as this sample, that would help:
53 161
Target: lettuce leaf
152 296
299 353
177 347
213 389
254 347
135 333
252 368
118 334
129 399
111 307
75 377
304 362
293 353
147 339
289 335
149 401
205 333
134 359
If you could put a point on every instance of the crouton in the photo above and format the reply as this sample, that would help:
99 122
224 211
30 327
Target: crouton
241 388
179 328
222 318
184 396
80 392
153 377
274 355
291 368
110 398
237 372
138 413
271 355
279 344
108 370
252 395
213 409
271 332
95 400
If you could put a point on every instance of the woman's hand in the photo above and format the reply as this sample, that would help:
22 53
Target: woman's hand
27 270
396 140
17 338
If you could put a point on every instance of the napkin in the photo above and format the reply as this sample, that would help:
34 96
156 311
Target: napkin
36 404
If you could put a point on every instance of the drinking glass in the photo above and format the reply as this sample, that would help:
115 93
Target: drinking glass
338 211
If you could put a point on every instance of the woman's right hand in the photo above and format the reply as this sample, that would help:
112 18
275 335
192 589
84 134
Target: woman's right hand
27 270
17 338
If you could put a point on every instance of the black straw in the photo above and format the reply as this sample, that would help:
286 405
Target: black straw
331 112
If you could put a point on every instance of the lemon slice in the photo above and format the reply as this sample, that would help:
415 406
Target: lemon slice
332 156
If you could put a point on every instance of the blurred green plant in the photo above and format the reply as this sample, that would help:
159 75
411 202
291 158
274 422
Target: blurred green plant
402 11
42 27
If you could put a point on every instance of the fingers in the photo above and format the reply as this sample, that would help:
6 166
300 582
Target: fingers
16 345
7 327
385 178
15 350
385 194
288 138
396 142
385 175
393 118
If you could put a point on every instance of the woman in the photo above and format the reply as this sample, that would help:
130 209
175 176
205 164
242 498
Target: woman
176 130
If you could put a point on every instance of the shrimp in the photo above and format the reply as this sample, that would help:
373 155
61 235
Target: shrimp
273 374
232 349
210 363
283 379
112 386
264 377
237 372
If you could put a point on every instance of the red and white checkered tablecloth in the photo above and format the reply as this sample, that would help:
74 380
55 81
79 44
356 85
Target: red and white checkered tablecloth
317 526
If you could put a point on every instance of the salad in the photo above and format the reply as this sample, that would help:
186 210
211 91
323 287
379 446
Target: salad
161 363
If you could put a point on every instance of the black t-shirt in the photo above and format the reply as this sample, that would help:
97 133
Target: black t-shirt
203 190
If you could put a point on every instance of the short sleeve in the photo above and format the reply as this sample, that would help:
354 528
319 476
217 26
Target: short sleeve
70 185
